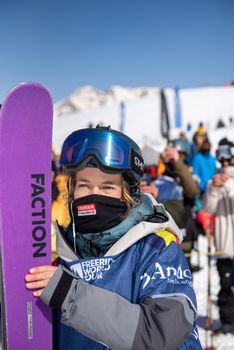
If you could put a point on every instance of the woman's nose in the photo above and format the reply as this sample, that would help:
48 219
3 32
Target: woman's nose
95 190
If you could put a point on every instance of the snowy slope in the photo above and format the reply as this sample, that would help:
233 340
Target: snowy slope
143 112
88 98
142 121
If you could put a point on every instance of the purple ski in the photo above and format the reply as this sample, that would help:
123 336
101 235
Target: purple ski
25 206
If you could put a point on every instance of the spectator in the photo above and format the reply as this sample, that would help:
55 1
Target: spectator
177 191
170 190
200 136
204 166
219 200
151 164
183 144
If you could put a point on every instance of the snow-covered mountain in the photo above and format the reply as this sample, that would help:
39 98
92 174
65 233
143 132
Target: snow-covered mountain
142 111
88 98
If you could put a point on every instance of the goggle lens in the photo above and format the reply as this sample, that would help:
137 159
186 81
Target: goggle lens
109 148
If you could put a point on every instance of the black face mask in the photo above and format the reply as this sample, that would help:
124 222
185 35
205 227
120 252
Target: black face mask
96 213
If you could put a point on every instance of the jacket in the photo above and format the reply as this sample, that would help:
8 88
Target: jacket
220 201
204 168
138 295
178 197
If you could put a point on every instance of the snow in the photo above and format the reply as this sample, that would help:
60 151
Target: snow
88 98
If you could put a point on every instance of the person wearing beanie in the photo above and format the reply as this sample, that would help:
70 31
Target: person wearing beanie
200 136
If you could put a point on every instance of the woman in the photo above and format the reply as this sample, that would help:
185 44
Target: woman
122 280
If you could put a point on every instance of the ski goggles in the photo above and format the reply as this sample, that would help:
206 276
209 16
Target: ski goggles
225 152
110 148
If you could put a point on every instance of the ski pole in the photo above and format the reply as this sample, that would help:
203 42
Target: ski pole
209 320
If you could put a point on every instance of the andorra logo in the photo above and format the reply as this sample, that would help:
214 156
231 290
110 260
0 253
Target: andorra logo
173 275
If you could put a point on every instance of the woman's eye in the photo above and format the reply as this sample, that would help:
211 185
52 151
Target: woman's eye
82 186
108 188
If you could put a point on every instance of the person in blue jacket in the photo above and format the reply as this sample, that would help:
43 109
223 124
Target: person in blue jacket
122 281
204 166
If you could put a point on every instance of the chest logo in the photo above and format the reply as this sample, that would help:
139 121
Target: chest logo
92 269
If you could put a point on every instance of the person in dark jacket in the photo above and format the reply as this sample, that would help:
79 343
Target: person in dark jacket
177 190
122 281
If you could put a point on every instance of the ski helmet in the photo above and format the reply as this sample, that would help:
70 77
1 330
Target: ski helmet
108 149
225 150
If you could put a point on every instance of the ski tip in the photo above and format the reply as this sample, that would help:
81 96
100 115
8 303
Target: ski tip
27 85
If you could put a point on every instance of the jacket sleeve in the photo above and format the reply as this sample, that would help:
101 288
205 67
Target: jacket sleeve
189 185
211 198
110 319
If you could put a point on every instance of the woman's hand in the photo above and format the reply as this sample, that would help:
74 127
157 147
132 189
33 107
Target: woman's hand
38 277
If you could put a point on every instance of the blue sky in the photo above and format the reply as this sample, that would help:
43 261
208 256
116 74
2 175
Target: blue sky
66 44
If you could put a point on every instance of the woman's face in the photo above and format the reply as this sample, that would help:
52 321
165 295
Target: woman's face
94 181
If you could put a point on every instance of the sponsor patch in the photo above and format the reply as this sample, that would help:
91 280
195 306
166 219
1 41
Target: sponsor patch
86 209
90 270
172 274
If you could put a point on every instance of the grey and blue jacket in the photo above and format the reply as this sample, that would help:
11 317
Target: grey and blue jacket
138 296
